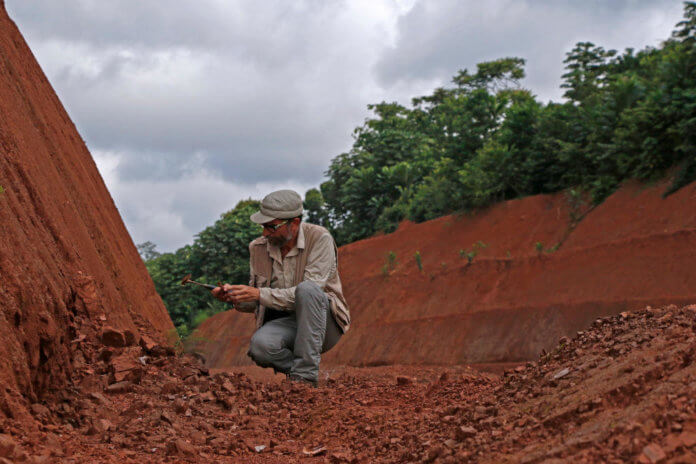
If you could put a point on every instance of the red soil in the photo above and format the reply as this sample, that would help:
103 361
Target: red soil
511 301
622 391
63 248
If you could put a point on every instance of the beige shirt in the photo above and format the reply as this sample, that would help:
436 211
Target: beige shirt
321 265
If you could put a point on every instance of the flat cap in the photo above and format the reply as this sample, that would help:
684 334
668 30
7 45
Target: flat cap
281 204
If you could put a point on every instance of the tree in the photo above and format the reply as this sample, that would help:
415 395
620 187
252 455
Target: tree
147 250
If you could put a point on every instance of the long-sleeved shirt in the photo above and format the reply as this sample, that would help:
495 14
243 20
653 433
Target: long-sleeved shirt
321 265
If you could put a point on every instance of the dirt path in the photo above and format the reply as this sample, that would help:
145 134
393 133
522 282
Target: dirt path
623 390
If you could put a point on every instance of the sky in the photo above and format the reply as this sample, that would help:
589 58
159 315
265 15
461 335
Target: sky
190 106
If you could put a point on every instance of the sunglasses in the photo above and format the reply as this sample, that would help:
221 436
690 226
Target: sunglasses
274 227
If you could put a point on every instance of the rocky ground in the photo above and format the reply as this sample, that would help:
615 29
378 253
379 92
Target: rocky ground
622 390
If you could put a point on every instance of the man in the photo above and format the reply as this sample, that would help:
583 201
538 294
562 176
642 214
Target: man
294 290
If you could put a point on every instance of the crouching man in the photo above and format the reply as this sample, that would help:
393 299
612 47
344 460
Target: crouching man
294 290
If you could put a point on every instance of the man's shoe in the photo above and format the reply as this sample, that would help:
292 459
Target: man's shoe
300 379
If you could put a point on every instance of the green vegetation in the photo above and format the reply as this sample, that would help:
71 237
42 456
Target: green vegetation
485 139
219 253
2 190
481 140
390 264
471 254
539 247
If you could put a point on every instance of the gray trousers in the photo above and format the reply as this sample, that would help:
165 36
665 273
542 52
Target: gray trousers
293 344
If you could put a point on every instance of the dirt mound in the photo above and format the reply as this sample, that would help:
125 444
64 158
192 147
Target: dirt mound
621 391
64 251
502 284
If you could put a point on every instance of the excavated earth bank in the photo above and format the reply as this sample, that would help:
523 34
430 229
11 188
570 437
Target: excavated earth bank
512 300
64 251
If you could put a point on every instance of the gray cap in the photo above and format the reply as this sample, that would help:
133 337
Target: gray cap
281 204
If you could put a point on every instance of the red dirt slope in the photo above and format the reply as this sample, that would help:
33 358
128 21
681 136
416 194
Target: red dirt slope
64 250
511 301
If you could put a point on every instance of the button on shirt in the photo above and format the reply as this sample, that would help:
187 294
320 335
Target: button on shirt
321 265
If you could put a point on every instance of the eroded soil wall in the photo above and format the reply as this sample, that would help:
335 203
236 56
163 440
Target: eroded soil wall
64 249
537 278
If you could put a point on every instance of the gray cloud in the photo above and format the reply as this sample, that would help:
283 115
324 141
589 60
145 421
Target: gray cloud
435 40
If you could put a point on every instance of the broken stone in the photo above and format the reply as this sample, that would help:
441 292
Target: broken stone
40 410
167 417
180 447
560 374
130 337
450 443
179 406
7 445
464 432
319 450
688 438
100 399
113 337
100 426
120 387
403 380
126 367
654 453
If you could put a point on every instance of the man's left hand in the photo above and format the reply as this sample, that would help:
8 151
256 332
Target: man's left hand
243 293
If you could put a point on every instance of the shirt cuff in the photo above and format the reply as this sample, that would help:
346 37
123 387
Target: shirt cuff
265 296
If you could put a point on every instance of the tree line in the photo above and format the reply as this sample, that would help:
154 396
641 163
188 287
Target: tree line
481 140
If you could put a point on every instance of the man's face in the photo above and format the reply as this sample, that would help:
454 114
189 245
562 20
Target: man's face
280 231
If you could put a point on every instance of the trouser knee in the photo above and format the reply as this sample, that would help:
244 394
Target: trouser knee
259 351
307 291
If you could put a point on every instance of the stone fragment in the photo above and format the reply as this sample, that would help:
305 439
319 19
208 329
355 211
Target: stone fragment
130 337
126 367
179 406
654 453
7 445
688 438
39 410
180 447
403 380
147 344
119 387
100 426
450 443
100 399
167 417
319 450
113 337
560 374
464 432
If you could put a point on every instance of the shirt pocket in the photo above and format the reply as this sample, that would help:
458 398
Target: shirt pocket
260 281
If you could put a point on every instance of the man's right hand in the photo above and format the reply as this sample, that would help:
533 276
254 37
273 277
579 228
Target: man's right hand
223 293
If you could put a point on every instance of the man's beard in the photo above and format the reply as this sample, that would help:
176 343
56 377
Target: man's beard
279 241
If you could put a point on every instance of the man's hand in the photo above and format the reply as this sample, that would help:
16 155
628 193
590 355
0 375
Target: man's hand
243 293
222 293
236 293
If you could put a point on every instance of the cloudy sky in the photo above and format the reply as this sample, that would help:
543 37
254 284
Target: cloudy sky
190 106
